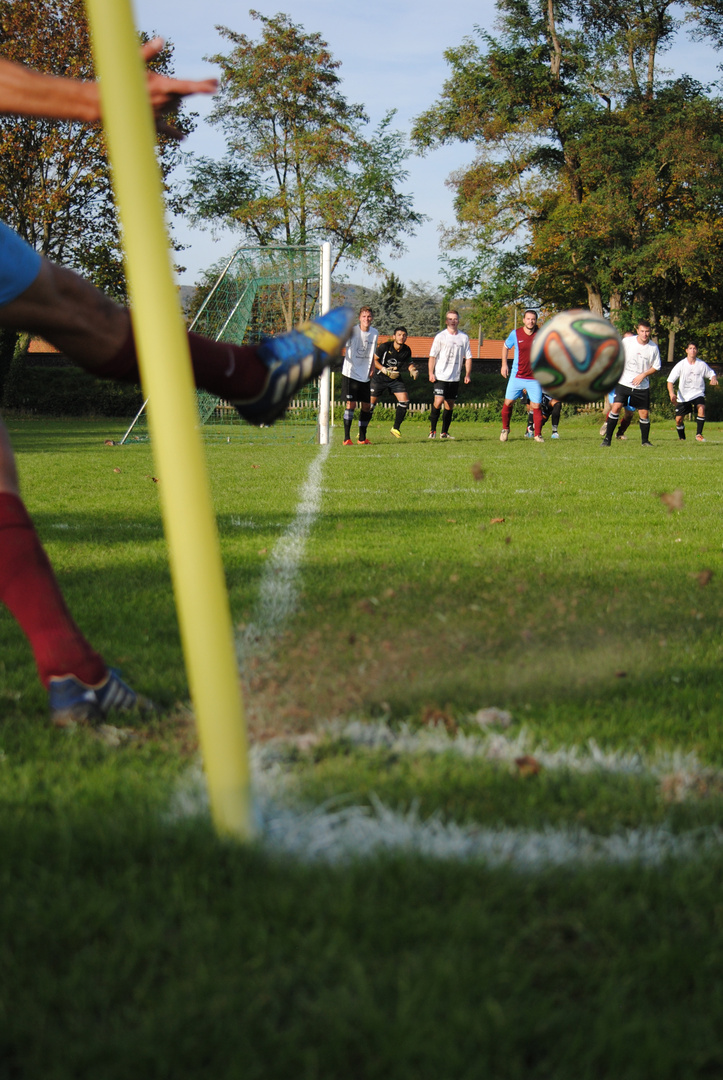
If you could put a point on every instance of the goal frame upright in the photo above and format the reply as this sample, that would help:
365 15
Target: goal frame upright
234 322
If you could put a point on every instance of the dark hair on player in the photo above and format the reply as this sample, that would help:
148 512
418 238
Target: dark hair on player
530 311
693 343
397 328
366 308
453 311
644 322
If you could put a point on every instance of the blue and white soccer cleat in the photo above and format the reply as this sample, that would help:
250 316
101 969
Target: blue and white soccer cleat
72 701
554 435
294 359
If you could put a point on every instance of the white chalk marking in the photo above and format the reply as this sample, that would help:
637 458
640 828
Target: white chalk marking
279 589
505 747
324 834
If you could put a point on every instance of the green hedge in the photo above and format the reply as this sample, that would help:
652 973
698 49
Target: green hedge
462 412
491 389
69 391
663 407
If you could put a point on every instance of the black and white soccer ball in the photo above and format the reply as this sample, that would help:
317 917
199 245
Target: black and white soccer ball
577 356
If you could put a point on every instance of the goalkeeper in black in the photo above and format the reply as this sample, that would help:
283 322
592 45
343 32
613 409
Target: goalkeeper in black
389 362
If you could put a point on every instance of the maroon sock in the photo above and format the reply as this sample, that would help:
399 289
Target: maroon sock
29 589
537 421
506 415
232 372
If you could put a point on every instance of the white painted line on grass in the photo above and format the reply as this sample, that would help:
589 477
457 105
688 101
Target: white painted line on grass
279 589
338 835
505 748
324 834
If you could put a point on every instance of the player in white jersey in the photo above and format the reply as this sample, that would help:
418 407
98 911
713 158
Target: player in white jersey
356 375
628 412
449 349
642 359
690 375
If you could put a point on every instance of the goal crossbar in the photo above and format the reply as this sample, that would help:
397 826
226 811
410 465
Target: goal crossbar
259 291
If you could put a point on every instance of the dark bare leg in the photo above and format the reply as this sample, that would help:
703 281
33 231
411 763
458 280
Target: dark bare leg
71 314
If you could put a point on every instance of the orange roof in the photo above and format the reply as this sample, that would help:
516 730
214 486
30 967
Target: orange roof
420 346
37 345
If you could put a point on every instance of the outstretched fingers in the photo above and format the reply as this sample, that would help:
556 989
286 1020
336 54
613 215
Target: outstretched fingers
166 92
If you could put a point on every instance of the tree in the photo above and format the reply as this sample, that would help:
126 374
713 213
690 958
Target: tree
298 168
55 188
603 182
418 308
388 313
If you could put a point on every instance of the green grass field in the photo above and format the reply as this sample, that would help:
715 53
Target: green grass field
438 580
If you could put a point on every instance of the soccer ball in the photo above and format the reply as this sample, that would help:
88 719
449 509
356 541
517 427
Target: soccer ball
577 356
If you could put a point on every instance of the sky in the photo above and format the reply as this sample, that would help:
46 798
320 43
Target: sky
391 57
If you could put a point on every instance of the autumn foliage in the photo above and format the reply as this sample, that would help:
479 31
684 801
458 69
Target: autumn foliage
596 181
55 185
299 167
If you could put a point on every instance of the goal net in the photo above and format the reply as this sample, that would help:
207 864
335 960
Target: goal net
259 292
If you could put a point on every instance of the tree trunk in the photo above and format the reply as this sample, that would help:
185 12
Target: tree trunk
556 54
594 299
671 345
674 326
616 303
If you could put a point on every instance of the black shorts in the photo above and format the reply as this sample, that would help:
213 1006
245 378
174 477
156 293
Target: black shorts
380 383
355 390
447 390
632 396
684 407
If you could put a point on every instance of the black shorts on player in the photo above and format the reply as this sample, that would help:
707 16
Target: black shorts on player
633 396
381 383
446 390
546 408
684 407
355 390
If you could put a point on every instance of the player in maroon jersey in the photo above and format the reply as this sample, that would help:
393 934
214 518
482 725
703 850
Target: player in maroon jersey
520 379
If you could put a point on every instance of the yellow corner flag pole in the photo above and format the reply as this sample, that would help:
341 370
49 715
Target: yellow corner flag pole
165 365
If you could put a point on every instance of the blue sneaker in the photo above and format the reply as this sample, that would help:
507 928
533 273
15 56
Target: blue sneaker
529 434
554 435
294 359
72 701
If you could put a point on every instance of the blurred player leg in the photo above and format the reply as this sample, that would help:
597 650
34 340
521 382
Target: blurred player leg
507 407
555 418
700 423
96 333
625 422
434 416
680 422
399 417
364 418
447 419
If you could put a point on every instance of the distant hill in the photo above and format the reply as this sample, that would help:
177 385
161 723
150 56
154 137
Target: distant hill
186 292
